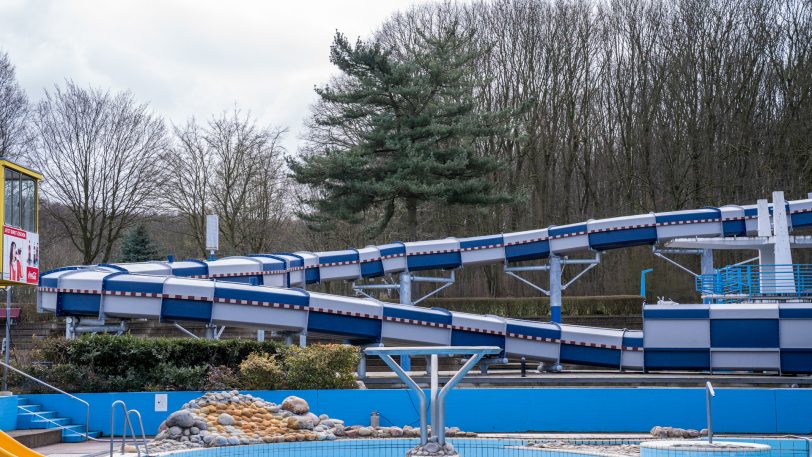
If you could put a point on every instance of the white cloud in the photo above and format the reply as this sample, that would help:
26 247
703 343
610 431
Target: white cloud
188 58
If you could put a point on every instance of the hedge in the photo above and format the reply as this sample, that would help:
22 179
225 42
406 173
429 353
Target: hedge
106 363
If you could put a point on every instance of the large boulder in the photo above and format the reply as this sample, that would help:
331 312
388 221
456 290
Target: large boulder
296 405
183 419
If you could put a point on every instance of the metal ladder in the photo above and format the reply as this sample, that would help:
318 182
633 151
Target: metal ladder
127 424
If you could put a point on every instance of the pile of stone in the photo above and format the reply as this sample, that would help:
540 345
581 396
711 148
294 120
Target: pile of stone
675 432
359 431
232 419
432 449
625 450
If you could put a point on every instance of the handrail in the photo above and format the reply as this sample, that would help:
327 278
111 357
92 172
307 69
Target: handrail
87 405
143 432
127 423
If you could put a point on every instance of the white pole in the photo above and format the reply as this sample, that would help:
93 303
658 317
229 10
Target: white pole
7 341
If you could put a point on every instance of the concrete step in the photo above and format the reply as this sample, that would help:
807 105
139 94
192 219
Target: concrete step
25 420
76 434
29 408
36 438
50 423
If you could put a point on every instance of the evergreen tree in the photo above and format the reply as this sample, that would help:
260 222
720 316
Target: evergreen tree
416 126
138 246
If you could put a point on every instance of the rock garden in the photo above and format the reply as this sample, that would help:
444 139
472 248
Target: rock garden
233 419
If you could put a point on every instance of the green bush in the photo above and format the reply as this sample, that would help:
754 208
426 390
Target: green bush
329 366
106 363
260 371
221 378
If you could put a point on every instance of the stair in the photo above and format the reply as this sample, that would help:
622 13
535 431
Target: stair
30 416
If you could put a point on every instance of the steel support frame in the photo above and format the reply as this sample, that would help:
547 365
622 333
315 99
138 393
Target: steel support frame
555 266
437 412
404 286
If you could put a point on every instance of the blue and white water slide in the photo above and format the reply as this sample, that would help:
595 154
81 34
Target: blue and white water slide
264 291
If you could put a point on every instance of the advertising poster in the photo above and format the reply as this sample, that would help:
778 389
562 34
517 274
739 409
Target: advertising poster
20 255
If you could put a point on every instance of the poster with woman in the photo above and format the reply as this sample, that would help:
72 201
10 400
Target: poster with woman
20 255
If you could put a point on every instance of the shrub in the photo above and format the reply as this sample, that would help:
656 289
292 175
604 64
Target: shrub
260 371
328 366
221 378
106 363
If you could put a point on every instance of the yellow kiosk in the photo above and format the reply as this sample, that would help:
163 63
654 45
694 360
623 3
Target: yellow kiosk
19 211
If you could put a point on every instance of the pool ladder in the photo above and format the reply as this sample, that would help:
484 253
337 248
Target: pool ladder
127 424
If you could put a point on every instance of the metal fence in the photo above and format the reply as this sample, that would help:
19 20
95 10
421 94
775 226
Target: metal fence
738 283
480 447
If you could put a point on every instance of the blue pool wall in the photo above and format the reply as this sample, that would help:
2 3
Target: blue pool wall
8 412
735 410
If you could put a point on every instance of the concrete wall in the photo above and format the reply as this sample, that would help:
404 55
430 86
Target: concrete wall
511 410
8 412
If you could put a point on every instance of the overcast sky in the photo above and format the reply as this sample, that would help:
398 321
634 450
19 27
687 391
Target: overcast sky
188 57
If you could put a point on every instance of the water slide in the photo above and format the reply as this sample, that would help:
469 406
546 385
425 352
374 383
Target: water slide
266 291
9 447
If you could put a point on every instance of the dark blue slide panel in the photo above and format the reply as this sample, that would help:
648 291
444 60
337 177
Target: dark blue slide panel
675 313
128 285
744 333
528 251
796 360
372 269
358 327
632 341
78 304
312 275
801 219
734 228
444 260
465 338
173 309
623 238
571 353
675 359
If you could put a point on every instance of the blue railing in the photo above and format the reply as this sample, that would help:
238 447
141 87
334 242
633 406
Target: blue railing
739 283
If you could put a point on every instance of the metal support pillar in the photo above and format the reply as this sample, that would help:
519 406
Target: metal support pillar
555 288
437 415
303 339
210 332
706 262
7 339
69 328
555 269
260 335
405 290
784 277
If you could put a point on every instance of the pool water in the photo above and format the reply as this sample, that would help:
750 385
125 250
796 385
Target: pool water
466 447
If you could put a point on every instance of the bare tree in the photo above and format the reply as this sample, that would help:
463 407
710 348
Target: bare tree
15 134
234 168
189 192
100 154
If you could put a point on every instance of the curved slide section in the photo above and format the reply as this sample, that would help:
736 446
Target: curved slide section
301 268
95 292
684 337
9 447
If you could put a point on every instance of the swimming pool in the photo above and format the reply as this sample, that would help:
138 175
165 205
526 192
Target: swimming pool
466 447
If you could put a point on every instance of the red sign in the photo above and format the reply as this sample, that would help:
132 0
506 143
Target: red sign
32 275
14 232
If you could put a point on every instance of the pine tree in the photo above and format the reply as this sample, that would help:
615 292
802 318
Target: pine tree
138 246
418 131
